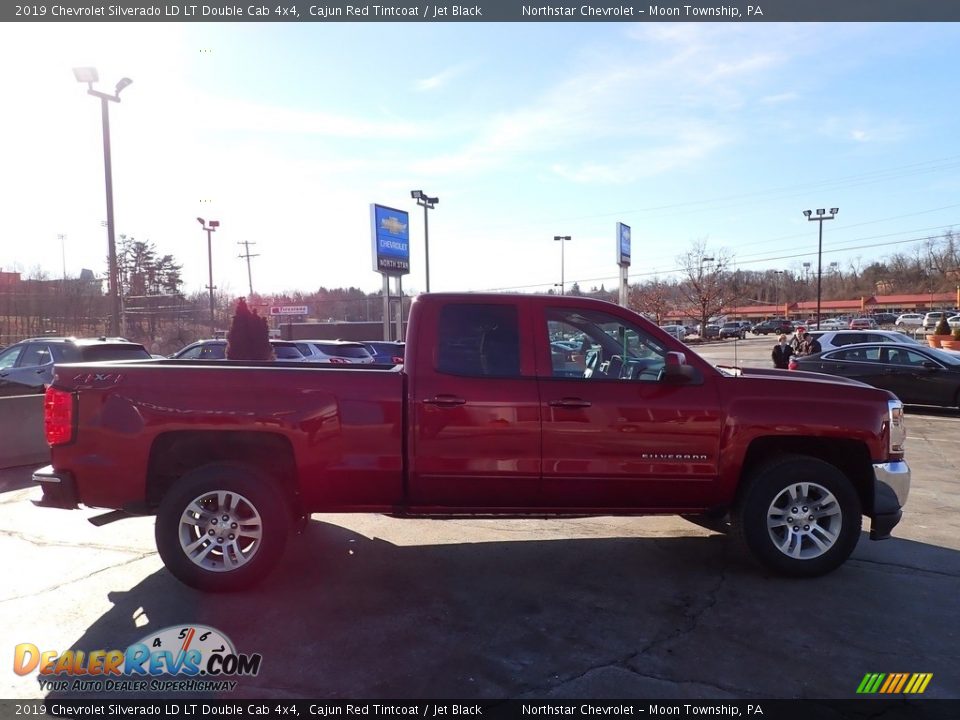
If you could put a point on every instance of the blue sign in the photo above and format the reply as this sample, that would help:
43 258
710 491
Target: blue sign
390 230
623 245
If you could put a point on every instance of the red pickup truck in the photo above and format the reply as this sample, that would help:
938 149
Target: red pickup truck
505 405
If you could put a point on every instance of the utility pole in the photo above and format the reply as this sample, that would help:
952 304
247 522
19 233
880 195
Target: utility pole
246 246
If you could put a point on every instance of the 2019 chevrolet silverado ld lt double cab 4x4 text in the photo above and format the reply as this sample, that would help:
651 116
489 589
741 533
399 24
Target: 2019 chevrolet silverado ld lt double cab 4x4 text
482 418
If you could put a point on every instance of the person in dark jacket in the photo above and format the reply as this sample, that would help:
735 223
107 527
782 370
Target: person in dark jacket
811 346
781 354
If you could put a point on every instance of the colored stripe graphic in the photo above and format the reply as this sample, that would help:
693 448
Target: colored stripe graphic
893 683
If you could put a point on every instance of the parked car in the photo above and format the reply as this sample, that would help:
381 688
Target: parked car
909 320
478 422
916 374
931 319
732 330
747 325
337 352
954 322
884 318
776 326
832 339
677 331
217 350
710 332
831 324
26 367
387 352
863 323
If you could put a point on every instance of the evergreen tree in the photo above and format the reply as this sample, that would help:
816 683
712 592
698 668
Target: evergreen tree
249 337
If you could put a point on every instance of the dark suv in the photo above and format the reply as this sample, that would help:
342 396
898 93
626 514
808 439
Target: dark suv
777 326
27 366
733 330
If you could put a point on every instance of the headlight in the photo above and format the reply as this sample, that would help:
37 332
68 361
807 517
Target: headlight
898 429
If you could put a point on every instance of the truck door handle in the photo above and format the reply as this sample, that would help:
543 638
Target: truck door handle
445 401
570 402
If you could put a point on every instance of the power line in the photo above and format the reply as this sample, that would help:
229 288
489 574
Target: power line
748 262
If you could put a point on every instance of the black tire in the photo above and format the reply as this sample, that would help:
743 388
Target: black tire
790 491
256 512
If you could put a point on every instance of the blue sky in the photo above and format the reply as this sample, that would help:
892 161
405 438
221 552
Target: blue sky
286 132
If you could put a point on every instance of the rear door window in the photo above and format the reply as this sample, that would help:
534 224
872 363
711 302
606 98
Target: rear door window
479 340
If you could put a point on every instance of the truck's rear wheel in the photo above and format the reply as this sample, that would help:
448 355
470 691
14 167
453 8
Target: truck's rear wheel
222 527
799 516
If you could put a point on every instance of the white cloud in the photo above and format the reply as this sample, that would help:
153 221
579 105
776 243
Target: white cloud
441 79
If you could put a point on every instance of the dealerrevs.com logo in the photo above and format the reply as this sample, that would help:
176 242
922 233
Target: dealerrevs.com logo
180 658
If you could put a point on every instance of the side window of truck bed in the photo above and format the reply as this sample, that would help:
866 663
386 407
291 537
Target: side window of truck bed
479 340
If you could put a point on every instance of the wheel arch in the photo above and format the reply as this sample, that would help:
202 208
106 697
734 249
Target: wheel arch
851 457
175 453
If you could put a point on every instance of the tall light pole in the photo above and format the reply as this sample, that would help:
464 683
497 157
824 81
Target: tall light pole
427 203
776 296
210 228
89 76
562 239
820 218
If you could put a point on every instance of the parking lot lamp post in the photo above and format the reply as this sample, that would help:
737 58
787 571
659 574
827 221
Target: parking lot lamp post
776 292
427 203
563 282
210 227
89 76
820 217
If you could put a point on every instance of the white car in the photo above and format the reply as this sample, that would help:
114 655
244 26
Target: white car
931 319
833 339
338 352
954 322
831 324
909 320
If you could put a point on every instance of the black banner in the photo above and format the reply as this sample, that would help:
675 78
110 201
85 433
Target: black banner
485 10
184 709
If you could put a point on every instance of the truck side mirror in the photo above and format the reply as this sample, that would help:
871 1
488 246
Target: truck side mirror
675 368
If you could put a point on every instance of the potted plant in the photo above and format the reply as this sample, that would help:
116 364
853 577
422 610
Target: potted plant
940 333
954 342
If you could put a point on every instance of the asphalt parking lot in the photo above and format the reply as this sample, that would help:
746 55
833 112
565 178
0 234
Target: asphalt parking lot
372 607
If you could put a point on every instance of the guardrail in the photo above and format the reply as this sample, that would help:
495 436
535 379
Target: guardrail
21 431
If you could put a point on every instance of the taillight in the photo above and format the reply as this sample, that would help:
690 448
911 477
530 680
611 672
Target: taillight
792 365
58 416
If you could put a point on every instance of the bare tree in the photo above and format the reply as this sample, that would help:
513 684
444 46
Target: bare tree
703 287
655 297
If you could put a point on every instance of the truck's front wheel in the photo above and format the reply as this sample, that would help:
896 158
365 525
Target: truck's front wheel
799 516
222 527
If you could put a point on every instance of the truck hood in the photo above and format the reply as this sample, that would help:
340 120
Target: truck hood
797 375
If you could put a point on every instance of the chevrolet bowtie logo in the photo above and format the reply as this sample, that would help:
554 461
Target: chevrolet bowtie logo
392 225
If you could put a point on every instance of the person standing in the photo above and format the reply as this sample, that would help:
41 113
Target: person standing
781 354
799 338
811 346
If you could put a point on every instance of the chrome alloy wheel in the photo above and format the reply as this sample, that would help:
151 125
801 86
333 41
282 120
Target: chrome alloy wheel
804 521
220 531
